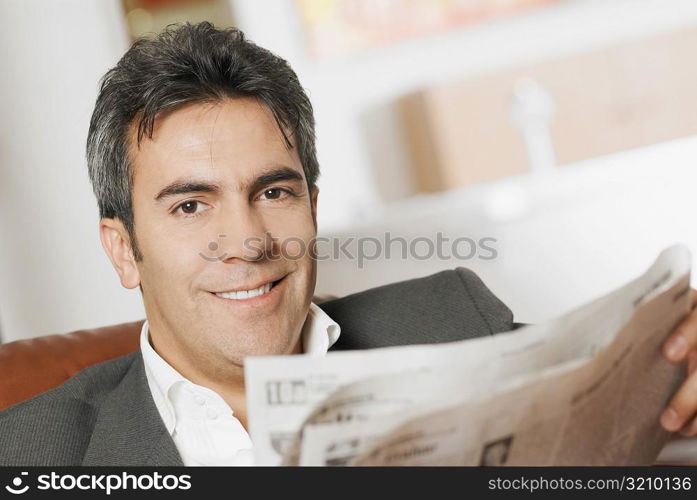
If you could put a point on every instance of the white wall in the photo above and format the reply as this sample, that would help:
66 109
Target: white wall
344 89
54 276
562 239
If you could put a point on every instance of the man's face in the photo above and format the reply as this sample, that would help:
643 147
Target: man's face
221 205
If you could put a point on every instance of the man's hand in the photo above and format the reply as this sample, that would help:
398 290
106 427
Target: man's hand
680 414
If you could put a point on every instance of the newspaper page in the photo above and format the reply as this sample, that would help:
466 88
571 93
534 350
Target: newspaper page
600 411
465 402
679 451
283 390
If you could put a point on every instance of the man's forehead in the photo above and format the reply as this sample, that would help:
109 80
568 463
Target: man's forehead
237 137
202 122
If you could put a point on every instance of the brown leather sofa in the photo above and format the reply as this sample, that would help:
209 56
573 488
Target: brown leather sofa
30 367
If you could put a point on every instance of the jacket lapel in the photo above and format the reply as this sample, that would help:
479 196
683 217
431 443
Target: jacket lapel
128 429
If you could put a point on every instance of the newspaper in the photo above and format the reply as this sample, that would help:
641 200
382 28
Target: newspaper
585 389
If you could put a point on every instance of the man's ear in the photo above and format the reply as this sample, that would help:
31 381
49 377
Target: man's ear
117 246
313 202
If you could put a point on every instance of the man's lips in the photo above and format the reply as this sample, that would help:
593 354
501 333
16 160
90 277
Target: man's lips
249 291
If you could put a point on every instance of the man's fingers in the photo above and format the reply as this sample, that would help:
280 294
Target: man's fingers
682 343
684 337
690 429
691 362
682 407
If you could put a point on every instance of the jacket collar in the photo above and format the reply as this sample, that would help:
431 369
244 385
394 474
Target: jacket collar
128 429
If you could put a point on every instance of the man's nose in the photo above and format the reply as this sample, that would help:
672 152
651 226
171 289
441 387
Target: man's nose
246 236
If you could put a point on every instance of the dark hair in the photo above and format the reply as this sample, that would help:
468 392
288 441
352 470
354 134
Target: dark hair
184 64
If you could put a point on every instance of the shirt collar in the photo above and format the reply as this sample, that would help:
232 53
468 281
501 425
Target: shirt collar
318 334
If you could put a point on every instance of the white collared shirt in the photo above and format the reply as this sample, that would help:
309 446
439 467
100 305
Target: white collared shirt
202 425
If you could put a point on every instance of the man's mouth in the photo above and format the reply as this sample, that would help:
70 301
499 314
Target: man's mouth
248 294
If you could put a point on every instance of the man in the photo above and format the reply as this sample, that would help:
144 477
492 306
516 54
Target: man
202 158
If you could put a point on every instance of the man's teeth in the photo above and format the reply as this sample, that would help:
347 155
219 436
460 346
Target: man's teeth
246 294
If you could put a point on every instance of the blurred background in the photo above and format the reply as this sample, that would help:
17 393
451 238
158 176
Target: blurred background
565 130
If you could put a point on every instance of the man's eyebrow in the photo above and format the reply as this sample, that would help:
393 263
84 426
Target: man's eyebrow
277 174
187 186
194 186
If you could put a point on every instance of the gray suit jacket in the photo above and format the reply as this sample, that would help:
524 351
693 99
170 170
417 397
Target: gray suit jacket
105 414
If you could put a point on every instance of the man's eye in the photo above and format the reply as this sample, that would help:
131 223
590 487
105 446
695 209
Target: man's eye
274 193
190 207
